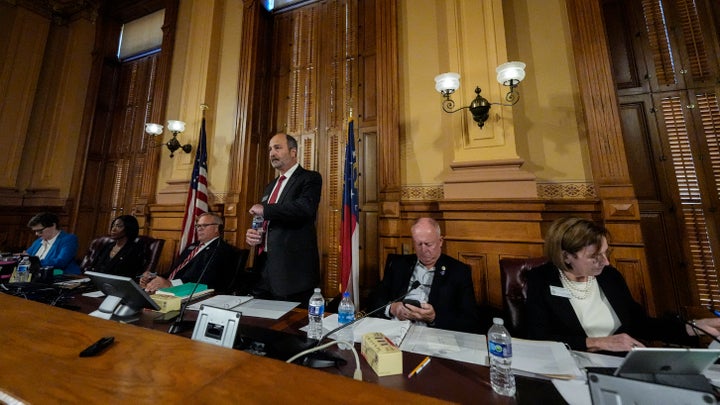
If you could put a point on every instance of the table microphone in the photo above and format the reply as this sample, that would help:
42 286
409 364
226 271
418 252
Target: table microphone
179 325
414 285
696 328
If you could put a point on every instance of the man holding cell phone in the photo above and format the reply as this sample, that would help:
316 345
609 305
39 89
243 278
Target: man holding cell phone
444 299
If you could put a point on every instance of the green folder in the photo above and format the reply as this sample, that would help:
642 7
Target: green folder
183 290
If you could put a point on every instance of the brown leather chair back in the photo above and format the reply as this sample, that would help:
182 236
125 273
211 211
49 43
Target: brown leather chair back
96 246
513 274
151 247
237 280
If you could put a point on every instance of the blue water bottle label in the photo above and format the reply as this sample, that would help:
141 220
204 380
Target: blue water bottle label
316 310
345 317
499 349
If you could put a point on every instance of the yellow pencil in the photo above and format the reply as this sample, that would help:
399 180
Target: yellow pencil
419 367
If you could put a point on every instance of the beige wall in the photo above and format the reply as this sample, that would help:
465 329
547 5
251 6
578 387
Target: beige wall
205 70
44 73
435 36
547 134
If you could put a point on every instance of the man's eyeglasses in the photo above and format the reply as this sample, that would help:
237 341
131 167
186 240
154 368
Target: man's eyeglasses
203 226
39 231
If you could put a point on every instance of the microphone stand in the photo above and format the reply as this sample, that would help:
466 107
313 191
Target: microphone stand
319 359
696 328
179 325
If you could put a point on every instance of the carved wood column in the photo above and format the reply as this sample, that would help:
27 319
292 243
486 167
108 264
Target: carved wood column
248 168
608 157
388 104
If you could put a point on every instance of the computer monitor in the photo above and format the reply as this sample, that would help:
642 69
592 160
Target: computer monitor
124 297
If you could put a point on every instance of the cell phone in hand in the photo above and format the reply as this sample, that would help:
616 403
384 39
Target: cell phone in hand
409 301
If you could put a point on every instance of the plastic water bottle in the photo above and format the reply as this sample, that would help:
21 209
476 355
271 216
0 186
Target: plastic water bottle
500 350
316 309
346 314
23 271
257 222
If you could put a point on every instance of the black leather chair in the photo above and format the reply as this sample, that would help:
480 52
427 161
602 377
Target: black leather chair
238 280
513 275
151 247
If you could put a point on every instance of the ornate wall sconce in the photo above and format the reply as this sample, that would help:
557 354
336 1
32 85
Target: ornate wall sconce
508 74
173 126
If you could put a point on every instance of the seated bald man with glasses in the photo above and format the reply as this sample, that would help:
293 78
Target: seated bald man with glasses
210 250
445 293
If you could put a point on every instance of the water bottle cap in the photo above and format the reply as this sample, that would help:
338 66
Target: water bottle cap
317 289
346 294
498 321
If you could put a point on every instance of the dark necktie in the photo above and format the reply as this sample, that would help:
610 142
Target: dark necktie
186 261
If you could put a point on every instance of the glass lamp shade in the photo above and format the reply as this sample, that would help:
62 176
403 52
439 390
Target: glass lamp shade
153 129
447 82
510 73
175 126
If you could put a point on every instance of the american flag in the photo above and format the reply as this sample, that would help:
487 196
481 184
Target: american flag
349 233
197 199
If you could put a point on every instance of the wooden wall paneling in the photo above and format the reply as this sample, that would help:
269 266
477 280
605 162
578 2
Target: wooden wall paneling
248 162
482 280
649 171
608 156
369 208
388 100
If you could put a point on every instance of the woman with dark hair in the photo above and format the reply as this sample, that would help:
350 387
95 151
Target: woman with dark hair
123 257
580 299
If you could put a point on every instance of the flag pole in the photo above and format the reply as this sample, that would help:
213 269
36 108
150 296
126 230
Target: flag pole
197 197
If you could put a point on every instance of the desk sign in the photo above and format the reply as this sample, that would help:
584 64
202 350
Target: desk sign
383 356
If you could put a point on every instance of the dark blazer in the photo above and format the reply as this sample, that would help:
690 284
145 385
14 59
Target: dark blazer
127 262
553 318
451 294
61 254
292 262
221 269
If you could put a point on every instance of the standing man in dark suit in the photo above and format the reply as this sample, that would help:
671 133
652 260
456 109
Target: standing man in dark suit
288 258
446 294
209 251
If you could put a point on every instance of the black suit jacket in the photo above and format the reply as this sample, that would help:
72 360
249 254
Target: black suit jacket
451 294
292 262
553 318
127 262
223 262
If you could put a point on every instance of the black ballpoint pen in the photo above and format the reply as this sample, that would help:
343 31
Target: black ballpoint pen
97 347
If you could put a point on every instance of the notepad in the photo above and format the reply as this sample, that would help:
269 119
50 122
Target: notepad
222 301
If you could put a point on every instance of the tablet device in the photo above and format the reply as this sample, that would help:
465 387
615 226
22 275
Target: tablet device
644 361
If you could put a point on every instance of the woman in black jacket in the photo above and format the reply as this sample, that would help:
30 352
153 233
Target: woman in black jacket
123 257
579 299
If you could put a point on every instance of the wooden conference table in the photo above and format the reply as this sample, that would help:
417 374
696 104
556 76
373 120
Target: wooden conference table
39 347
